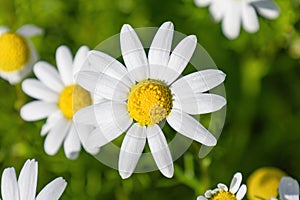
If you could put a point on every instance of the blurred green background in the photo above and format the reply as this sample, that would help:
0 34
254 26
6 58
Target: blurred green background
262 126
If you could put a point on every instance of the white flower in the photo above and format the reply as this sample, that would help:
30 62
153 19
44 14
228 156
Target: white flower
236 190
17 53
143 93
58 98
233 13
25 187
288 189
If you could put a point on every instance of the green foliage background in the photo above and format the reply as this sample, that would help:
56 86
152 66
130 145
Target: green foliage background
263 112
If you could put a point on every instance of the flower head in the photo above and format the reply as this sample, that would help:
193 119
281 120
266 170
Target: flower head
236 190
144 92
233 13
17 53
58 98
25 186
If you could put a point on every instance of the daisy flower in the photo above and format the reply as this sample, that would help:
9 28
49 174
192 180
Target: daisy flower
17 53
288 189
236 190
233 13
25 187
58 98
145 92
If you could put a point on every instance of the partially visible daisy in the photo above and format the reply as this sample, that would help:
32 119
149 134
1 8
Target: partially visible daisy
17 53
236 190
25 187
58 98
233 13
288 189
143 93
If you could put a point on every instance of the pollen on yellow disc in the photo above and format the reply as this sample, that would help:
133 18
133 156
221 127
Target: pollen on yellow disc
149 102
72 99
223 195
14 52
263 183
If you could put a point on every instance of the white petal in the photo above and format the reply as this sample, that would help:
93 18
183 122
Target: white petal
104 63
288 189
131 149
9 185
191 128
72 144
199 103
249 19
159 52
267 9
52 119
235 182
83 132
3 29
133 53
56 136
64 62
37 110
30 30
231 23
200 81
201 198
181 56
80 59
223 187
38 90
28 180
241 193
217 10
202 3
53 190
160 150
48 75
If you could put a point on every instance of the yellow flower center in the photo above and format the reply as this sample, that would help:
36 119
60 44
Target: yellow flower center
72 99
149 102
14 52
223 195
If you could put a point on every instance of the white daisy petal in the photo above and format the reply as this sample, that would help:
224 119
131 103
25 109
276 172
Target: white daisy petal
200 81
3 29
38 90
37 110
56 136
9 185
181 56
131 149
29 30
84 132
235 182
53 190
217 10
267 9
202 3
288 189
160 150
72 144
249 18
191 128
199 103
103 63
241 193
80 59
64 62
201 198
48 75
28 180
222 186
51 121
86 116
159 52
133 53
231 23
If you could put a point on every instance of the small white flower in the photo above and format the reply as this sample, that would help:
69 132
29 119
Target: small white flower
233 13
17 53
143 93
25 187
236 190
288 189
58 98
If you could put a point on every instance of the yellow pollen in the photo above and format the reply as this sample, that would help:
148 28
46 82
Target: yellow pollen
149 102
72 99
223 195
14 52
